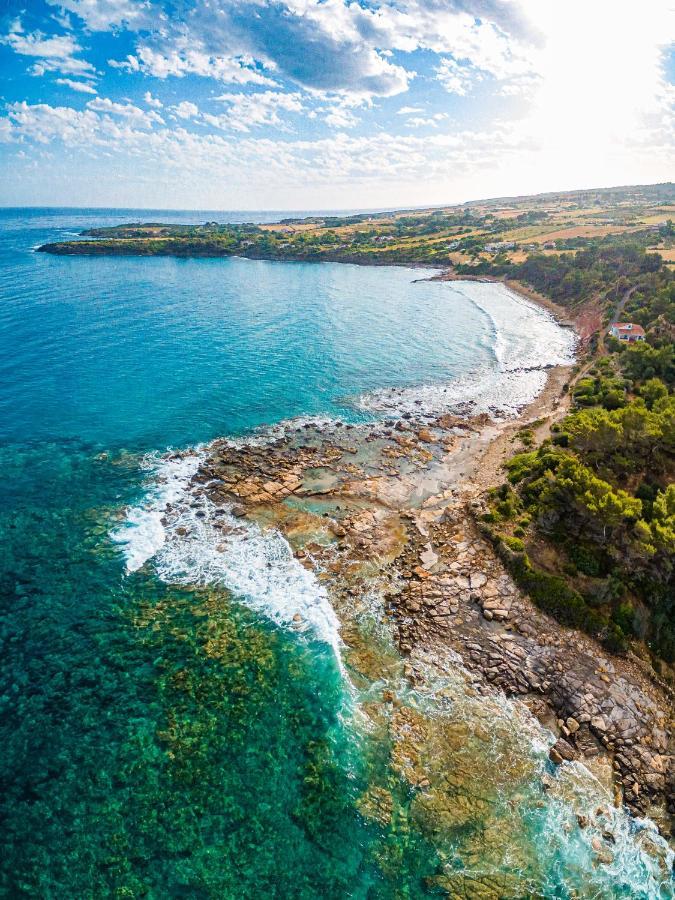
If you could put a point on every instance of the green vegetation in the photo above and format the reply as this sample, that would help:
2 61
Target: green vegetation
609 267
598 551
586 521
475 238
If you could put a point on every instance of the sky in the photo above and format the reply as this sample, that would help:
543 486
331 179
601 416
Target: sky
330 104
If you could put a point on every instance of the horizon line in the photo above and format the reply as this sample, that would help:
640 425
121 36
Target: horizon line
346 209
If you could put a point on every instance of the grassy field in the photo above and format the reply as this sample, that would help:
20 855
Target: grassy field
463 235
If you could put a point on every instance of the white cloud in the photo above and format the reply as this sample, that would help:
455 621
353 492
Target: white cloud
582 82
44 124
152 101
121 129
457 79
492 36
82 86
328 45
297 40
376 169
140 117
426 122
246 111
339 117
62 18
179 62
101 15
185 110
339 109
54 53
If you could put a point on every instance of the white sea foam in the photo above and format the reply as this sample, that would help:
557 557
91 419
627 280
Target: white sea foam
639 861
526 340
266 434
190 541
143 532
256 565
496 393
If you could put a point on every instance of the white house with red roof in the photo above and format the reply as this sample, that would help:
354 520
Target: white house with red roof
627 332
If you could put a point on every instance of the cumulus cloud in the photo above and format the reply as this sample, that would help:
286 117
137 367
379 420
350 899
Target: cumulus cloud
247 111
179 61
140 117
384 168
339 117
154 102
185 110
101 15
582 85
82 86
457 79
53 53
426 121
339 109
327 45
340 157
316 45
44 123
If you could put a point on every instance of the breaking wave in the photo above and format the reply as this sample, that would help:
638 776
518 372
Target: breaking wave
526 341
191 541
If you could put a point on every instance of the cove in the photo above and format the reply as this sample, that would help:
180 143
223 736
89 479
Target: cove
162 736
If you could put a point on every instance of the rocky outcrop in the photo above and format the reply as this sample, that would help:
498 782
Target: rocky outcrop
598 704
382 520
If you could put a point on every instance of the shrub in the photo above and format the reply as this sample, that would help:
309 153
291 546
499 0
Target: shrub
614 639
514 543
624 617
526 436
586 559
552 594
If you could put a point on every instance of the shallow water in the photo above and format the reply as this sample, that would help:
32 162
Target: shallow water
165 729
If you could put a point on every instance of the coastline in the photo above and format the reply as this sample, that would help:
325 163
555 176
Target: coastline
559 313
401 501
364 546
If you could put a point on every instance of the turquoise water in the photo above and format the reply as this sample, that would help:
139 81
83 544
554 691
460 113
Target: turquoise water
145 353
160 740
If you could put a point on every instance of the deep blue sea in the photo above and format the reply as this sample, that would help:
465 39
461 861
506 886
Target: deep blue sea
137 761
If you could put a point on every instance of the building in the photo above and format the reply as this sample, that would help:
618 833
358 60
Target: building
498 246
627 331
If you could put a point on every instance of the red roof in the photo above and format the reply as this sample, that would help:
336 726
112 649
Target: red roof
628 327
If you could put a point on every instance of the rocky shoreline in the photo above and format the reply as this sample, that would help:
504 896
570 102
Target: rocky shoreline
398 505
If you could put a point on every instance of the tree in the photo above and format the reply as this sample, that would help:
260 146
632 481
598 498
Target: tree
594 432
599 506
652 390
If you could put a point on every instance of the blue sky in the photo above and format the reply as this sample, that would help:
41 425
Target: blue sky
301 104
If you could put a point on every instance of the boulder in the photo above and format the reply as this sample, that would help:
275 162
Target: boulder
561 751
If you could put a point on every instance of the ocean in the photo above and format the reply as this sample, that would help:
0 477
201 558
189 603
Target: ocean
166 732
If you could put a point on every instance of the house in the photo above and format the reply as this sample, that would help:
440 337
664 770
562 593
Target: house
497 246
627 331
